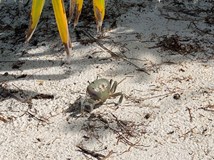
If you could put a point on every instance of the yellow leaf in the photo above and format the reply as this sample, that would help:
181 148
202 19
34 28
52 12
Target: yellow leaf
61 20
71 9
99 12
75 6
37 6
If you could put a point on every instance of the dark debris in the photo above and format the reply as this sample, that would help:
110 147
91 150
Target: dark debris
178 44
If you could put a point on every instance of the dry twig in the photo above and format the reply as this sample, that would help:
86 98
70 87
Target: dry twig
114 55
98 156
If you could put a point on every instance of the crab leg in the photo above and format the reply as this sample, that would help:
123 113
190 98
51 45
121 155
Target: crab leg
99 12
121 99
114 87
118 94
61 20
90 102
37 6
75 6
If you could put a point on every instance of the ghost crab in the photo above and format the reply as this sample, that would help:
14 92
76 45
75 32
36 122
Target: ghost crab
99 91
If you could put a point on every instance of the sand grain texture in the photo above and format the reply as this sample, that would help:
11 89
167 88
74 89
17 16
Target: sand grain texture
166 114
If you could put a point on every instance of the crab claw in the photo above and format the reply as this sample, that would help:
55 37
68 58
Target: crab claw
61 20
75 6
36 11
99 12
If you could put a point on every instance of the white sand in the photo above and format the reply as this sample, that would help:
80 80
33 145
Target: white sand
158 125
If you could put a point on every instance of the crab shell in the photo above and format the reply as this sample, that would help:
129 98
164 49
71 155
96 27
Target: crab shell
99 89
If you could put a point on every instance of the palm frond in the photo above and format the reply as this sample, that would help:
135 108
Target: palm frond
99 12
36 11
75 9
61 20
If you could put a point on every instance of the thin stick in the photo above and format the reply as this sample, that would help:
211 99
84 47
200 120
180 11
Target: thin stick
91 153
114 55
190 114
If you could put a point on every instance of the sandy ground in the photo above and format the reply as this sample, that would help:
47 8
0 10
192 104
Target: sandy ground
167 112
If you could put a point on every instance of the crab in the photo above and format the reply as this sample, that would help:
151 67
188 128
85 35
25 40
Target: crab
99 91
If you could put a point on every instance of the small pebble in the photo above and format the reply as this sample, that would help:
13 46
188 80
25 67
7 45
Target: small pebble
176 96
